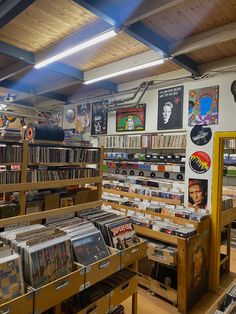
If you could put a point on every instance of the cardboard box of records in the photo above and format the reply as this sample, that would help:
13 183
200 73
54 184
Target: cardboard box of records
162 253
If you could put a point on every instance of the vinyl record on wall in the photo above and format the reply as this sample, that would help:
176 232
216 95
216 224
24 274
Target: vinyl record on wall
200 162
201 135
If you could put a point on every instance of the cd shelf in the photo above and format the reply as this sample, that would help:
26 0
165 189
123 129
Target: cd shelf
51 295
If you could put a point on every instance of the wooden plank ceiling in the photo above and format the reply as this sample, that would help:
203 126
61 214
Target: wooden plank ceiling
44 23
192 17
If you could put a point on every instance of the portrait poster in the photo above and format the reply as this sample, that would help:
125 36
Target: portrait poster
170 108
99 117
203 106
131 119
197 194
84 116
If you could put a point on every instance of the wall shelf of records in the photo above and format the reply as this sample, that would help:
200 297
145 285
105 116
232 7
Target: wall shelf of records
176 239
67 255
175 140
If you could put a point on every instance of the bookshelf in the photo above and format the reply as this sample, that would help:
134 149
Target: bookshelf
36 301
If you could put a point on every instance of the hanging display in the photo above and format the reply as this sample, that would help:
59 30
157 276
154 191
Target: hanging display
203 106
200 162
170 108
197 194
70 115
131 119
99 117
44 132
201 135
84 116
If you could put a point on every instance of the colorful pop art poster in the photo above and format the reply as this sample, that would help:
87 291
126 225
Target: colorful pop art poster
131 119
203 106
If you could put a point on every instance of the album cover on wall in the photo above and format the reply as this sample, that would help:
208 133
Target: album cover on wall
84 115
203 106
170 108
198 193
99 117
131 119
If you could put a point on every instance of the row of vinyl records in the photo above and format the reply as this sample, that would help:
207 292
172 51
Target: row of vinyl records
41 154
151 141
12 176
38 254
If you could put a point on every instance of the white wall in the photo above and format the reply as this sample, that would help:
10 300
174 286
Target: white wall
227 116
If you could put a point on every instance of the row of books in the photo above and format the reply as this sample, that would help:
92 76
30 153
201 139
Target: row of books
41 154
123 156
230 144
60 174
10 153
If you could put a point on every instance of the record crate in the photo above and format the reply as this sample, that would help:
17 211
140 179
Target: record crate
25 301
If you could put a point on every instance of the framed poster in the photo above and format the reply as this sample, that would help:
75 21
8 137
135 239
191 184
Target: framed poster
203 106
99 117
170 108
197 194
84 116
131 119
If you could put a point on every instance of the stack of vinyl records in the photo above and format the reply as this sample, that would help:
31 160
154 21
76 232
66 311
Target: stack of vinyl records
46 253
87 241
11 279
117 231
10 134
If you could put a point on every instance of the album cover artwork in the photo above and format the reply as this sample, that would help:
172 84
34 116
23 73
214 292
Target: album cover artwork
170 108
201 135
203 106
131 119
200 162
84 115
89 248
197 193
99 117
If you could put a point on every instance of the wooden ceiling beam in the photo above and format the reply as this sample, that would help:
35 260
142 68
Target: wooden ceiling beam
206 39
149 8
11 8
218 65
13 70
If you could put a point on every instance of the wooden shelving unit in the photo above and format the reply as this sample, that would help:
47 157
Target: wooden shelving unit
145 197
36 301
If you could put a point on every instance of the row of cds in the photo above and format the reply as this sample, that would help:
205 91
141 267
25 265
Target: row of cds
124 141
60 174
169 141
10 153
41 154
229 304
13 176
11 134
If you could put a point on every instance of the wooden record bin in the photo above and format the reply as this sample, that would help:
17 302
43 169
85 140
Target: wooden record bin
36 301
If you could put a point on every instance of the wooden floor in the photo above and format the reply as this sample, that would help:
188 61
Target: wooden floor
148 304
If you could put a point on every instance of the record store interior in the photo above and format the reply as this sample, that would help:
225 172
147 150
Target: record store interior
117 156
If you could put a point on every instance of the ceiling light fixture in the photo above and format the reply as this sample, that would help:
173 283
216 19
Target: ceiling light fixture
125 71
79 47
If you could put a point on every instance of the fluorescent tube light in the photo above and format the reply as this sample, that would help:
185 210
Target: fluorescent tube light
79 47
132 69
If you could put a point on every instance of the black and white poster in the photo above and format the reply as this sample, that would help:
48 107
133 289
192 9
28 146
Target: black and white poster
170 108
99 117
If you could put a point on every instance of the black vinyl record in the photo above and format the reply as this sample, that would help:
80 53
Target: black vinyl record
131 172
166 175
201 135
141 173
179 176
152 175
117 171
124 172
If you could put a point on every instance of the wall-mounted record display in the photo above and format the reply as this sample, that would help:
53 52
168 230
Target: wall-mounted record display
201 135
200 162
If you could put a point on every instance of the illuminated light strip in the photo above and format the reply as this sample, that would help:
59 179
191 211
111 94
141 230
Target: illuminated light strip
79 47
